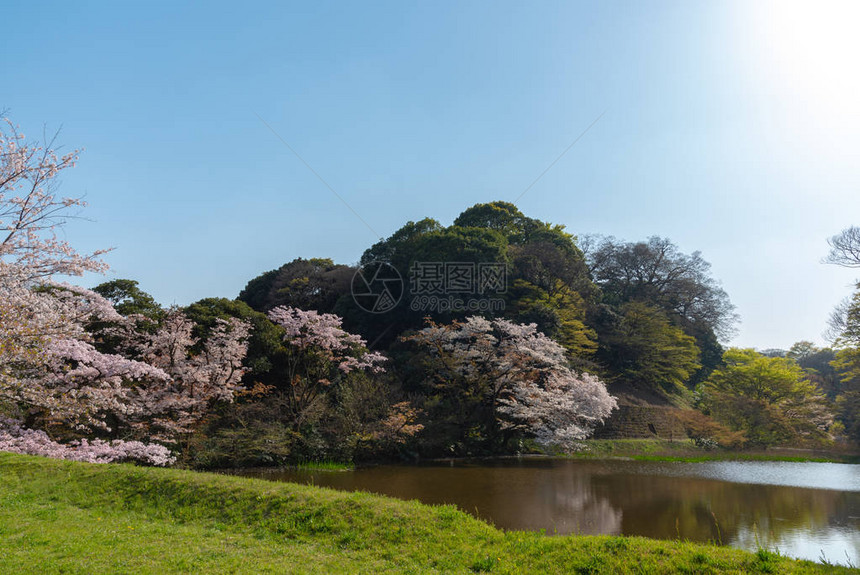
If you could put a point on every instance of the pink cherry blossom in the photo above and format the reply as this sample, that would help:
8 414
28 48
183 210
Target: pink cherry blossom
16 439
526 375
323 352
51 372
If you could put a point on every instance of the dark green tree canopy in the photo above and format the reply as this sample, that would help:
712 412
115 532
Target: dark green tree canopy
552 264
397 248
128 299
507 219
646 350
655 271
316 284
547 277
503 217
423 242
817 364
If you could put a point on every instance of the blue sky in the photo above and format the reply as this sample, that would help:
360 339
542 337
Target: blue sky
730 127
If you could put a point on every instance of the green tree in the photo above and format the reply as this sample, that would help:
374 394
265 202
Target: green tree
549 283
128 299
397 248
817 364
768 398
504 217
559 313
313 284
657 273
422 242
645 349
847 365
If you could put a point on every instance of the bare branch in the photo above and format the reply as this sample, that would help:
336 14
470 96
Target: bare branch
845 248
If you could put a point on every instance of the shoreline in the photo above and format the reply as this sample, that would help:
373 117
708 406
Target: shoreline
595 449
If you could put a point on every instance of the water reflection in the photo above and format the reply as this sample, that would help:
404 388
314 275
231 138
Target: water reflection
804 509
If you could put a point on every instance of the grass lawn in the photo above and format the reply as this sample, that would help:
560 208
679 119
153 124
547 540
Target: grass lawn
67 517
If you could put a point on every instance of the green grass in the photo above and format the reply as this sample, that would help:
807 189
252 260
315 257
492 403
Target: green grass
67 517
325 466
685 450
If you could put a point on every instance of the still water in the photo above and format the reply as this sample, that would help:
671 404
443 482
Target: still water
806 510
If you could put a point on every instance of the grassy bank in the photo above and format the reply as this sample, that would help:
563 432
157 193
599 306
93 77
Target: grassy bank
324 466
684 450
66 517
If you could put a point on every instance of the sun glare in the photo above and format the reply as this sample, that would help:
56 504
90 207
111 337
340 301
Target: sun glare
807 53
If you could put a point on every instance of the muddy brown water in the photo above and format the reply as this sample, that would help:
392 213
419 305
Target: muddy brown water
805 510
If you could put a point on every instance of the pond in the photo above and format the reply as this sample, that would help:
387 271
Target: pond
806 510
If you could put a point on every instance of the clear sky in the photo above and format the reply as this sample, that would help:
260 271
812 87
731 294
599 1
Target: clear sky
732 128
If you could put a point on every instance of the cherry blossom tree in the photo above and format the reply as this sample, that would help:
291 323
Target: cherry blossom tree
50 370
157 389
32 322
51 373
200 372
321 354
510 376
31 212
17 439
52 377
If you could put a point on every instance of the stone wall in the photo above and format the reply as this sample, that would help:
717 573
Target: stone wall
638 421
